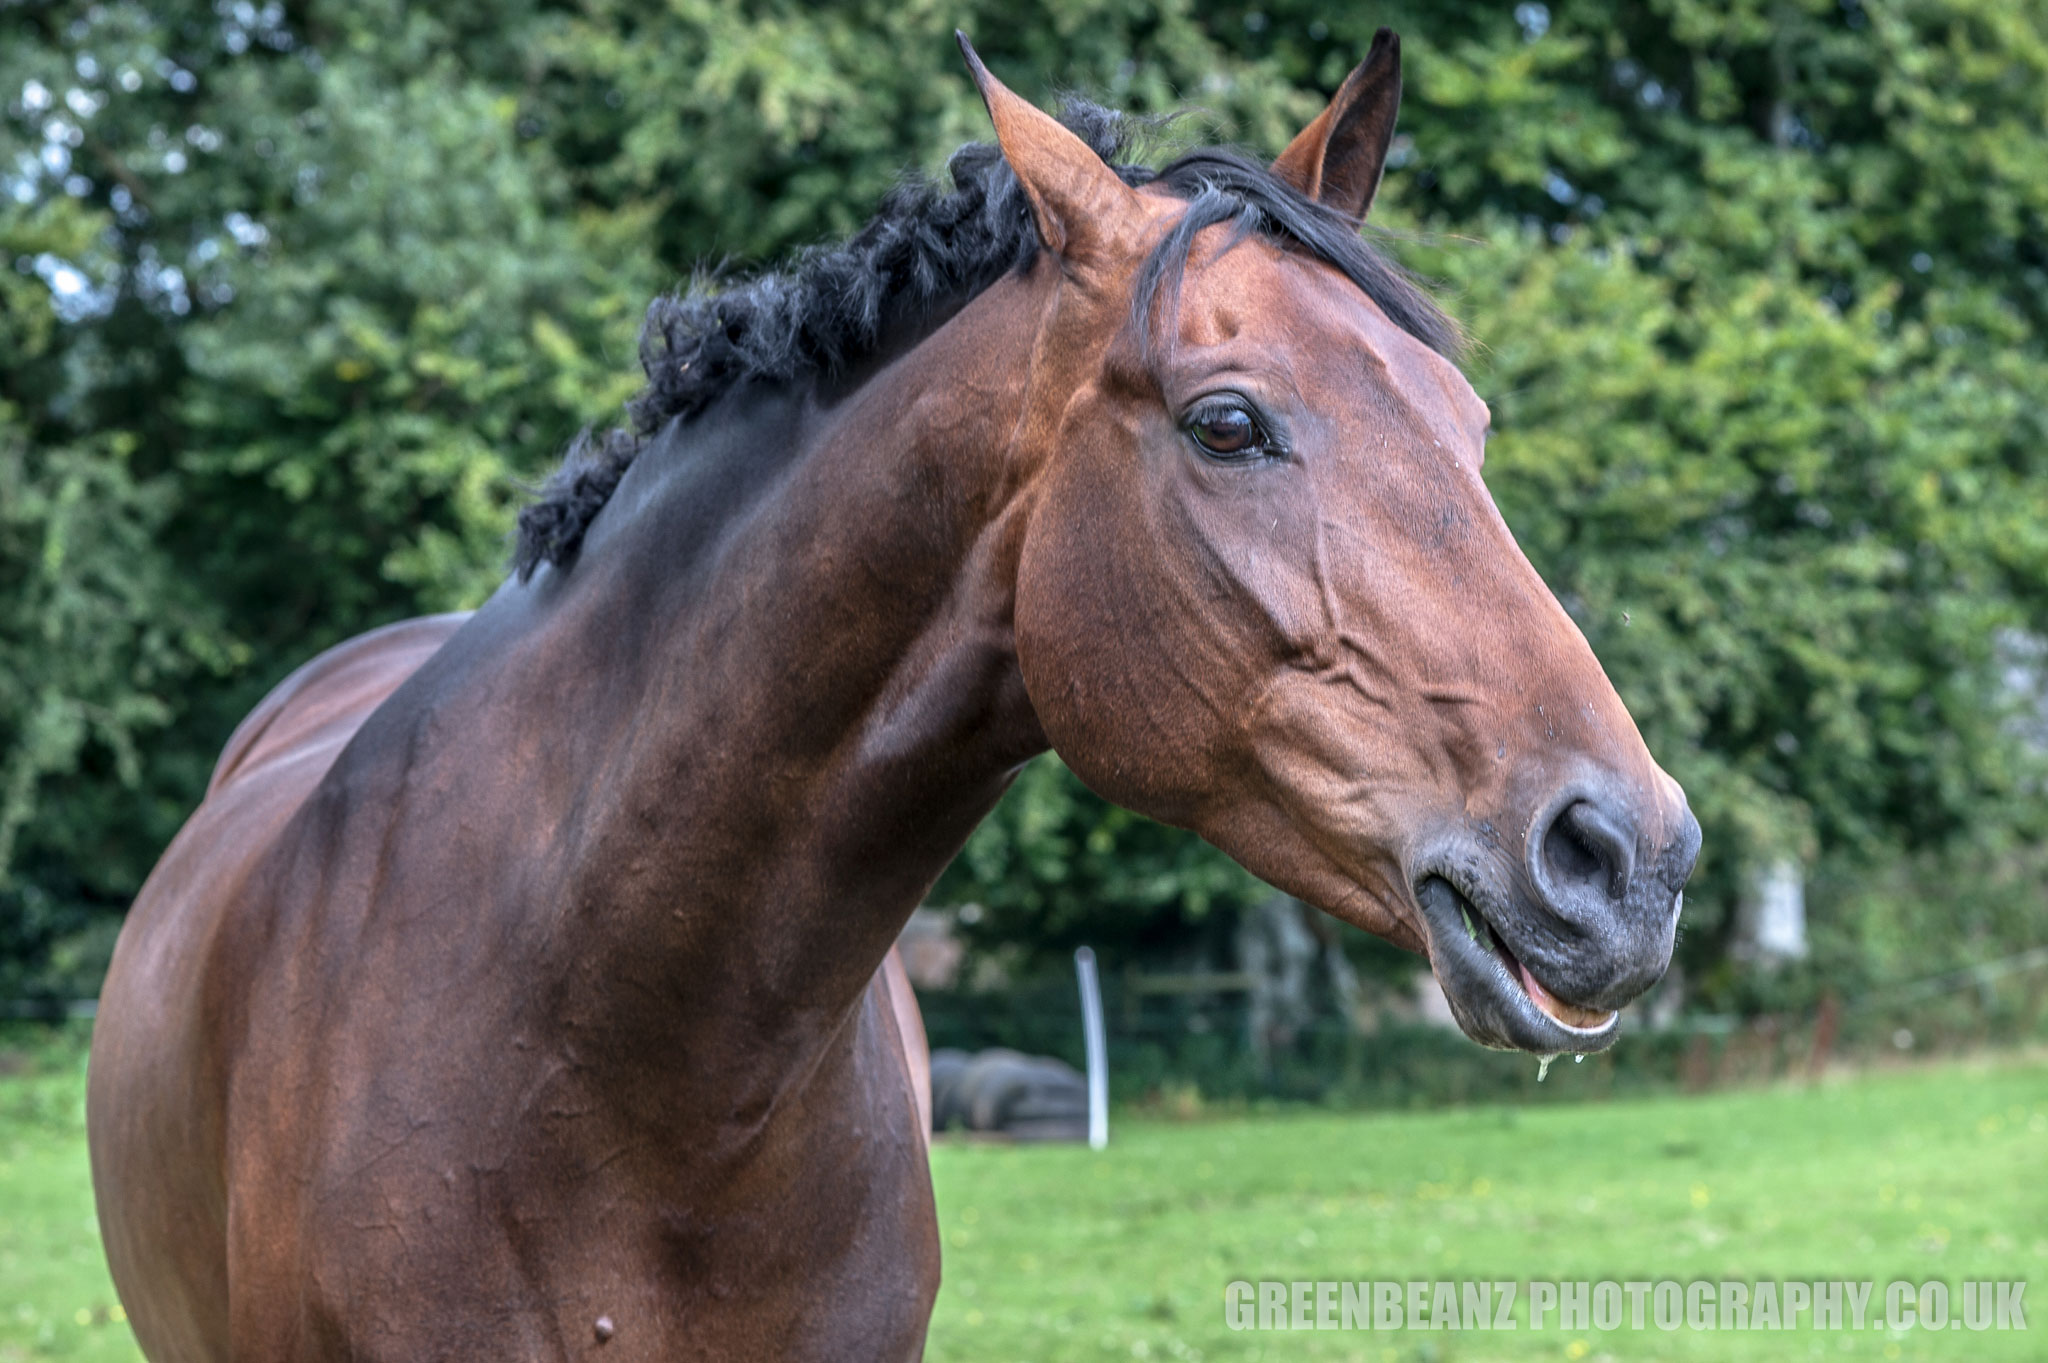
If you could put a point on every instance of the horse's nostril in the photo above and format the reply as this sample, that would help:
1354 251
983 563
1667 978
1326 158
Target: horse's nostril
1568 853
1587 847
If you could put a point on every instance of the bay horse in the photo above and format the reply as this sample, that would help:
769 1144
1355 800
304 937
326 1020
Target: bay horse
519 987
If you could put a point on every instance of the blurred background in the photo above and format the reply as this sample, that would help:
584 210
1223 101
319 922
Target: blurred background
297 300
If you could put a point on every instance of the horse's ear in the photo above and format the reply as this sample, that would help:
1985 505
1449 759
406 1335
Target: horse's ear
1337 160
1075 198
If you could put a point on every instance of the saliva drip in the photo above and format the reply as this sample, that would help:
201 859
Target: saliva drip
1543 1066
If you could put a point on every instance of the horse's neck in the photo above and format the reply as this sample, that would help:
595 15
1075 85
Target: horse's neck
809 694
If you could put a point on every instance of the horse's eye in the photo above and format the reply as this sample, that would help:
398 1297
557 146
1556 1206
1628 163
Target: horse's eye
1227 432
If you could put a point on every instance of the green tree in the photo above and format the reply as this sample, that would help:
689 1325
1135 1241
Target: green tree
293 300
288 326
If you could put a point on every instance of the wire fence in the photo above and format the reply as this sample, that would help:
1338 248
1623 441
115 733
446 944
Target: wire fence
1183 1040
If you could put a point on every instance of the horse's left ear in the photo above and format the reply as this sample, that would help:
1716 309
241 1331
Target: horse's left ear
1337 160
1075 197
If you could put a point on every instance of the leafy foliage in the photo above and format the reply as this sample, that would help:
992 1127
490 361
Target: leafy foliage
295 299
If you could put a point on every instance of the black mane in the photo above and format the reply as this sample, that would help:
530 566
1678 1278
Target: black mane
927 251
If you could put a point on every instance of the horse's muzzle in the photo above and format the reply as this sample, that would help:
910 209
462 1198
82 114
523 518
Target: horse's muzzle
1540 957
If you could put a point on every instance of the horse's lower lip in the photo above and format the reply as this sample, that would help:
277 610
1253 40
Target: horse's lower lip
1570 1014
1492 994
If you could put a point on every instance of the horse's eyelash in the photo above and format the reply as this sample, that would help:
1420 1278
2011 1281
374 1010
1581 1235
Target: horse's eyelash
1210 406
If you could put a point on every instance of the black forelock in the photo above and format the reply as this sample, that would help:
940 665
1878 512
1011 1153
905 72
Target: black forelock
928 251
1225 186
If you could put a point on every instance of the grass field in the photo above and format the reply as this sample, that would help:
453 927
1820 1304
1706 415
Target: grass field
1061 1254
1058 1254
55 1299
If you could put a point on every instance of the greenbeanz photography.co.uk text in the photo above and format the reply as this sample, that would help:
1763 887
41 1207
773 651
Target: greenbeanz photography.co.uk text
1633 1304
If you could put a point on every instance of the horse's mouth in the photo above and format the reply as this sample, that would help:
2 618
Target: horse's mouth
1492 994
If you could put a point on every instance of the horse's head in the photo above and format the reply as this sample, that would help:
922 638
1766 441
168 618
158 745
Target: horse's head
1264 594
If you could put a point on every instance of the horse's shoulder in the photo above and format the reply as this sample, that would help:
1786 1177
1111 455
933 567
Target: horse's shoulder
331 695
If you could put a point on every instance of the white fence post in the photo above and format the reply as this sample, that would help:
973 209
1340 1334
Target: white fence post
1098 1050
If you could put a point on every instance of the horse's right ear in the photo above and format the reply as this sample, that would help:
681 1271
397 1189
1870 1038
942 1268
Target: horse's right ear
1076 199
1337 160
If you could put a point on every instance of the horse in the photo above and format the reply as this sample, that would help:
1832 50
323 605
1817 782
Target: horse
520 986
